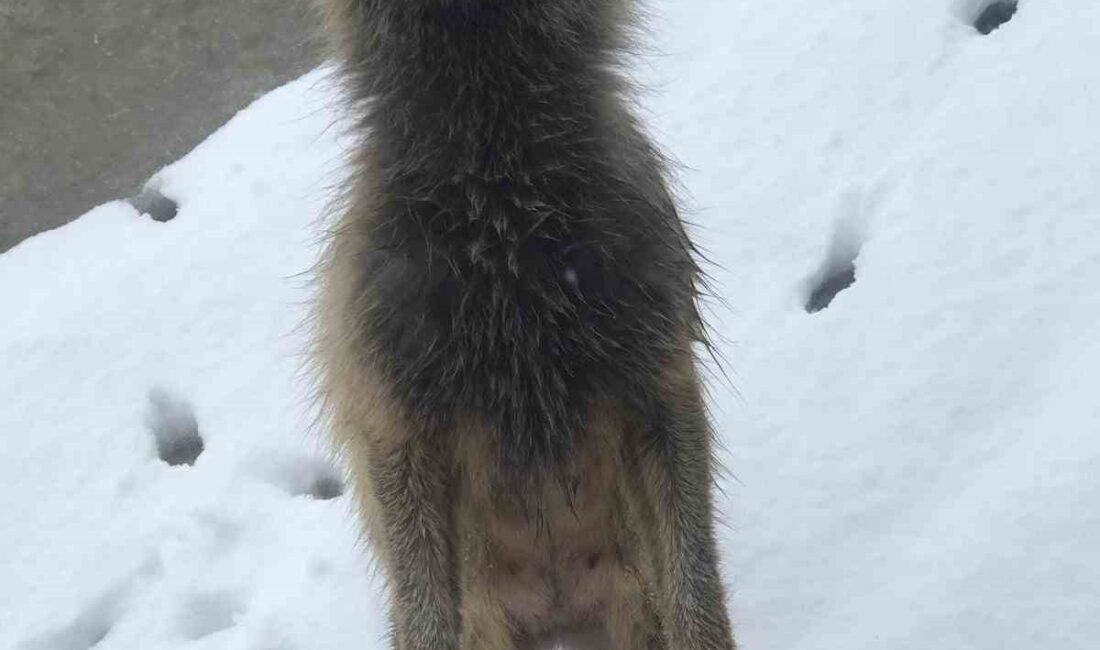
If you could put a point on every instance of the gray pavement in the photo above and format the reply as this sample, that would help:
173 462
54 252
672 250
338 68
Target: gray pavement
97 95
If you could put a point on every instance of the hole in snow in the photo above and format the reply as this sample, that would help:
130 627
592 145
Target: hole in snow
86 630
994 15
156 205
204 614
326 487
174 427
94 624
82 634
838 272
301 475
836 281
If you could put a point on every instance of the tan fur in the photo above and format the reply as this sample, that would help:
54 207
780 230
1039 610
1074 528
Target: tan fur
586 572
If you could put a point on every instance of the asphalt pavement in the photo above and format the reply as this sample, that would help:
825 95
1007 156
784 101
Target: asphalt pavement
96 96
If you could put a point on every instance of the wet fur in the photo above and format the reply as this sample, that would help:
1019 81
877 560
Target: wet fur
506 321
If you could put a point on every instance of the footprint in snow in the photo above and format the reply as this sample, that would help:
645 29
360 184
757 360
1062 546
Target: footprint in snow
175 430
204 614
158 206
95 622
995 14
837 271
300 475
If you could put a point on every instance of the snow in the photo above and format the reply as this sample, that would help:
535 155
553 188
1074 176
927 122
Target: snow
914 466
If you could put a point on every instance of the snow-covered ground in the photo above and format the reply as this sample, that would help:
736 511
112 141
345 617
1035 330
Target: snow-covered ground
915 466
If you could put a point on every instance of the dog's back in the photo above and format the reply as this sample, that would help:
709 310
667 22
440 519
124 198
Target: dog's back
506 320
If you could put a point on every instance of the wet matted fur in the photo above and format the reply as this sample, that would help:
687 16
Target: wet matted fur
505 331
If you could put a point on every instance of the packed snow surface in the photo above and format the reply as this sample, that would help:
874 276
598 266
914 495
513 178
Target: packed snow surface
915 464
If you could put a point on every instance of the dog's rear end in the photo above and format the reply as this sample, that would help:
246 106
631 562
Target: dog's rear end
506 323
